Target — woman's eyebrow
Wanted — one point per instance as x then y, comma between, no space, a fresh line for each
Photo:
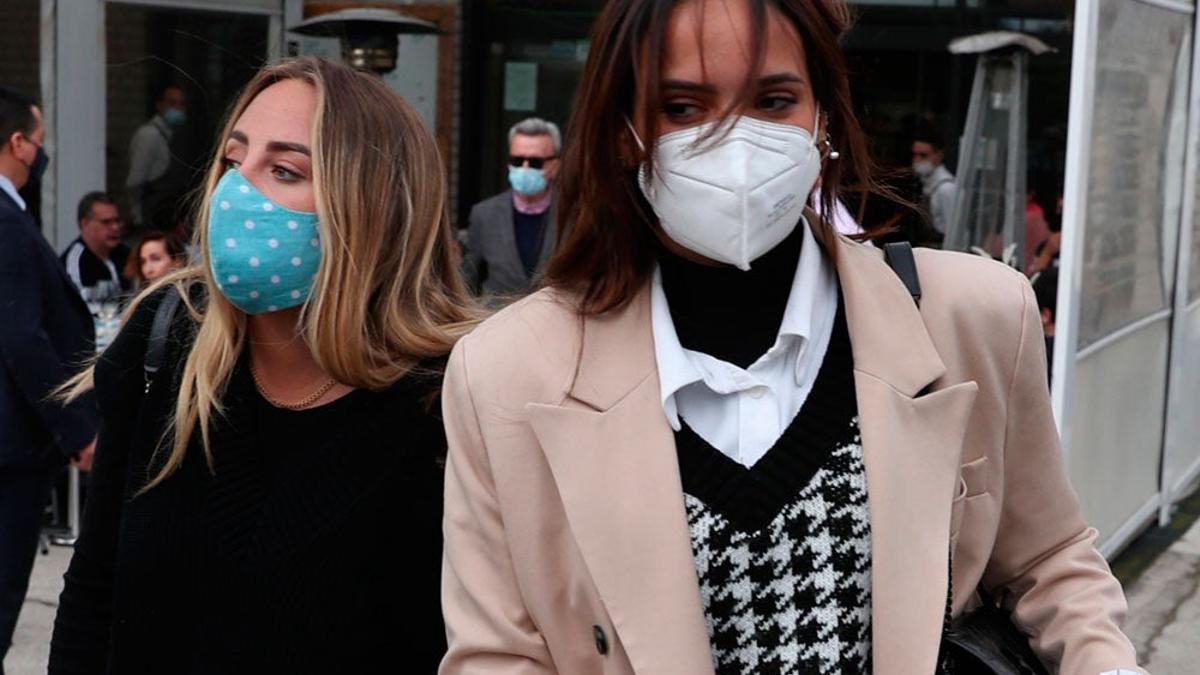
687,86
765,81
780,78
273,146
283,146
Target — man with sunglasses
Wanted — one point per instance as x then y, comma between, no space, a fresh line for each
512,234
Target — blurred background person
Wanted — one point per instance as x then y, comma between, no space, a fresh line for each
1045,287
289,518
151,184
95,259
44,330
937,183
511,235
1037,227
155,255
1046,254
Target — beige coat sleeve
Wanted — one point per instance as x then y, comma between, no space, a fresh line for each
1059,587
487,626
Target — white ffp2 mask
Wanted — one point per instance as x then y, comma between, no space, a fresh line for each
736,198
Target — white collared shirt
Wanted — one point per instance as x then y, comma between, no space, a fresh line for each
743,412
11,191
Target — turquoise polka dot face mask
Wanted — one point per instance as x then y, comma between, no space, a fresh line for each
263,256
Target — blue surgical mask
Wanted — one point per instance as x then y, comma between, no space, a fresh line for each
264,257
174,117
526,181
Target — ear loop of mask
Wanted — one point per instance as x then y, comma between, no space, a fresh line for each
636,138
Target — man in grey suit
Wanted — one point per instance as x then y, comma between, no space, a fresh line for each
511,235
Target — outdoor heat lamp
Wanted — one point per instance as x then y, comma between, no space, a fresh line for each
368,35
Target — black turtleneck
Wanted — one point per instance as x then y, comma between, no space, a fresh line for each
725,312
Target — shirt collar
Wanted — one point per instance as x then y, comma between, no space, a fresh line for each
675,369
11,191
814,287
936,177
162,125
531,208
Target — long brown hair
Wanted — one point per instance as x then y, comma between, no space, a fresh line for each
606,227
387,295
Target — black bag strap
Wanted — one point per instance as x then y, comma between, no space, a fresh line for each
156,346
899,256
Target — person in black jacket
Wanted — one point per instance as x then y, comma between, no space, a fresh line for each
289,520
45,328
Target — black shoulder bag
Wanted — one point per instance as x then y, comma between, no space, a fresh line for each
983,641
156,345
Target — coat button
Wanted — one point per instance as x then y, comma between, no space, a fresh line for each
601,640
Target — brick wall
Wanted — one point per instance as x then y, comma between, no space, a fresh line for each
19,55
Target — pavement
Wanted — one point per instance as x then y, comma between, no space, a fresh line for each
1163,621
1164,609
31,643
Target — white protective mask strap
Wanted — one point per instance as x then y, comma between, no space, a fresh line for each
636,137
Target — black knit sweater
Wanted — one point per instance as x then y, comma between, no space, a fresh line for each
315,546
782,548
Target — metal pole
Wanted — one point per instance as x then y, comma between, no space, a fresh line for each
1176,383
958,237
1014,219
73,509
1075,195
73,503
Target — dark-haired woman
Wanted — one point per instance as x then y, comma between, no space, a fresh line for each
155,255
725,439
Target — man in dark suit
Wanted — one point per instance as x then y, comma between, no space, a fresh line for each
511,235
45,330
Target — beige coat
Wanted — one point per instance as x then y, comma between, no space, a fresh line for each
565,516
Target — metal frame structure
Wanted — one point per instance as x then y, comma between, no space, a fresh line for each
1066,354
1184,306
959,236
74,82
1075,193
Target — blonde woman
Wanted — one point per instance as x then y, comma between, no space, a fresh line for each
271,500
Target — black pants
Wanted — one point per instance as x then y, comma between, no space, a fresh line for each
24,493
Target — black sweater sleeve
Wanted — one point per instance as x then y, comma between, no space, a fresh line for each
83,623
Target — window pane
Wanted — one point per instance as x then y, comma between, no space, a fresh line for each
207,58
1140,54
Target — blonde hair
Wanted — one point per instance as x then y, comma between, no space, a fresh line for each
387,295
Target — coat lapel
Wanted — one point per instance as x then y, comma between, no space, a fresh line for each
912,445
612,454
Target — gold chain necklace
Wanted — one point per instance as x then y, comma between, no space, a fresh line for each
300,405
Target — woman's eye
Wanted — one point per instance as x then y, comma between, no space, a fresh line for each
284,174
679,109
776,102
227,163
